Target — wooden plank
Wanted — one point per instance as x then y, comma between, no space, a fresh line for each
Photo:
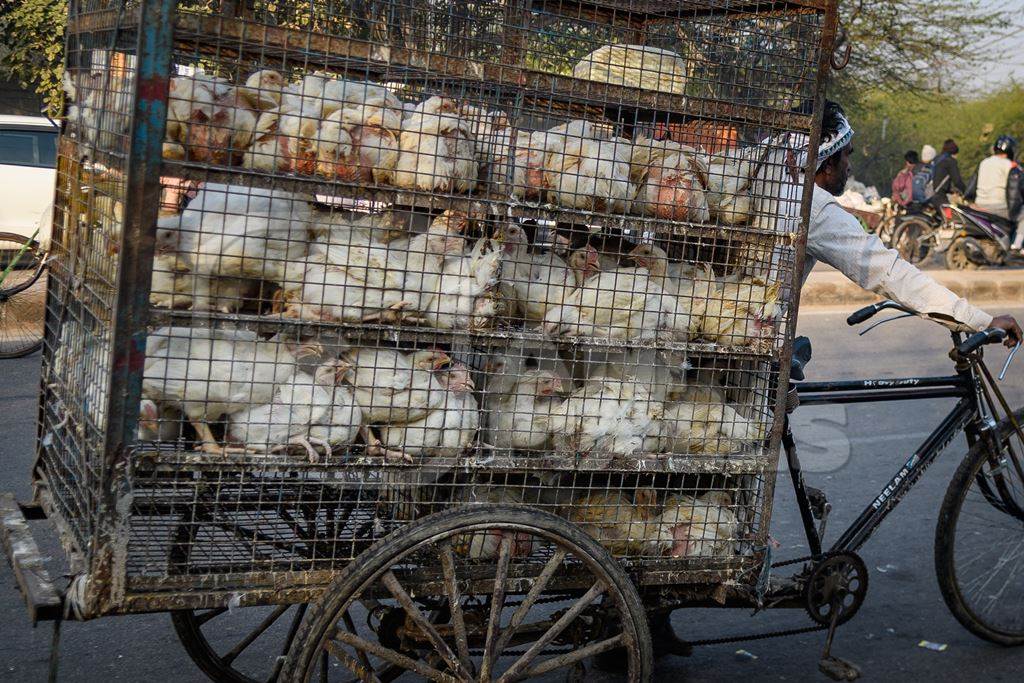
41,596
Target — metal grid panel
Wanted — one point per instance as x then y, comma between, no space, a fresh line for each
414,255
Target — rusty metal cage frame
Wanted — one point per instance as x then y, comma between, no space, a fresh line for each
97,534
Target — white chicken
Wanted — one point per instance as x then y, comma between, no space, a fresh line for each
464,297
236,231
369,281
701,421
446,430
703,526
728,190
306,410
359,143
209,373
605,418
264,89
486,544
671,179
538,281
394,387
518,416
627,527
589,174
624,303
284,141
436,149
742,312
175,286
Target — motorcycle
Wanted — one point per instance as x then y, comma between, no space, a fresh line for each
967,238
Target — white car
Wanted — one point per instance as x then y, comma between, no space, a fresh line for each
28,173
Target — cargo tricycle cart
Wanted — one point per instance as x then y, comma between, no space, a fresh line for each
449,339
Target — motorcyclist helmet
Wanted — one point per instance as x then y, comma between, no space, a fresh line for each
1007,145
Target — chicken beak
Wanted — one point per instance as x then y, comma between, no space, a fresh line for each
341,371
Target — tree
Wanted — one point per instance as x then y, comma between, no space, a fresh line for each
911,46
32,46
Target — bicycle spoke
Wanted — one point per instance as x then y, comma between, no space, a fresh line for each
531,597
212,614
386,654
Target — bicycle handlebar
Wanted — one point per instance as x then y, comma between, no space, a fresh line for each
992,335
866,313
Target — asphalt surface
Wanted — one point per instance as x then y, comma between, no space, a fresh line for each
850,452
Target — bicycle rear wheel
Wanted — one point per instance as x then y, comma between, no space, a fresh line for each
22,296
979,540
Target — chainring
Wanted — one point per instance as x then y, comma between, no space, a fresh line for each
837,583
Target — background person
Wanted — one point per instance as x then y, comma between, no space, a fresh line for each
946,176
903,183
998,188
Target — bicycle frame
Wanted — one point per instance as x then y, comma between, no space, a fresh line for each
972,413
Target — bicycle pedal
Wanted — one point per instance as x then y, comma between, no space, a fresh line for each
838,669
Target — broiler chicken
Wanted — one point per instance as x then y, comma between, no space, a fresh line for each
359,143
209,373
235,231
742,313
436,149
264,89
362,281
486,544
464,297
700,421
284,141
671,183
394,387
605,418
705,526
539,281
590,174
518,416
175,286
627,527
194,100
728,190
306,410
625,303
446,430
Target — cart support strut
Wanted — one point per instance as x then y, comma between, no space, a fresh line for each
41,596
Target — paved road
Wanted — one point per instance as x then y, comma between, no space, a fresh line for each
903,606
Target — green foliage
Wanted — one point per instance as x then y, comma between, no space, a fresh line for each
32,46
888,125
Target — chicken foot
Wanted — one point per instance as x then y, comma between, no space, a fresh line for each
375,448
395,314
208,444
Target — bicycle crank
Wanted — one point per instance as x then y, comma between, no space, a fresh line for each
836,588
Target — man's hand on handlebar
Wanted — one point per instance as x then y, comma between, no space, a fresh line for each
1008,324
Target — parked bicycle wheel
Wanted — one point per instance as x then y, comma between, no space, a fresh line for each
22,295
979,537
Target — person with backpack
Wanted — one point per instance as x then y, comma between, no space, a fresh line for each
946,174
903,183
922,189
997,187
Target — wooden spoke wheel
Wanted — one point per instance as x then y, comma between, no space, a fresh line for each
247,644
511,593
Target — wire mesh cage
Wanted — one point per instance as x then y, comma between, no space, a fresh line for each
324,268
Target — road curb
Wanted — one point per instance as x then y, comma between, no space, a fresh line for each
831,288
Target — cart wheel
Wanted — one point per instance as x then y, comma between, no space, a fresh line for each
243,644
560,599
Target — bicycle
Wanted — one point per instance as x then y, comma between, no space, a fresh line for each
22,295
975,570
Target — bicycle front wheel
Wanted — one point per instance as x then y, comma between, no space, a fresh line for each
979,539
22,296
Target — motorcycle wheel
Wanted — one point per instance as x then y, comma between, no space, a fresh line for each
913,240
956,257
